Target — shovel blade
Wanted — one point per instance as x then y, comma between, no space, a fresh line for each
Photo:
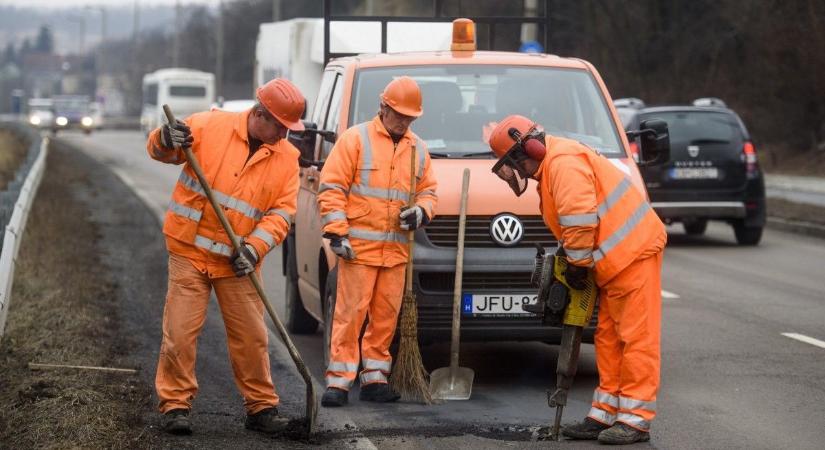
443,386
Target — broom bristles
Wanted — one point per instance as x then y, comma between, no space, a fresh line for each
409,377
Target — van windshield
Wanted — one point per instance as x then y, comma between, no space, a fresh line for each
187,91
463,103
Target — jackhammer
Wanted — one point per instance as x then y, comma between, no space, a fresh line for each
560,305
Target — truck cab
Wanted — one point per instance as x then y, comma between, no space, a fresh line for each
465,93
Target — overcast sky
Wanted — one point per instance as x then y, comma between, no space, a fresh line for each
71,3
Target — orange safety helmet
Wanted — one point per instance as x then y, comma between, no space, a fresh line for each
403,96
284,101
516,139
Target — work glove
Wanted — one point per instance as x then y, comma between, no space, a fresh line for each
576,276
412,218
340,246
176,135
243,262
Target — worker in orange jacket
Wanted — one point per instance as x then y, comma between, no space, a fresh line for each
253,172
365,184
605,224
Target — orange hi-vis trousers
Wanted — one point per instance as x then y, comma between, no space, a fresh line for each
627,345
183,319
364,290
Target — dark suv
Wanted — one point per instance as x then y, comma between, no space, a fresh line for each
712,173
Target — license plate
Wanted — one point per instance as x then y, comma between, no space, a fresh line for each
694,173
497,305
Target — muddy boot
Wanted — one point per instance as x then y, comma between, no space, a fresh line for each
620,434
334,397
378,392
586,429
176,421
266,421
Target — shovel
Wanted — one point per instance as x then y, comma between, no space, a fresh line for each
311,405
455,383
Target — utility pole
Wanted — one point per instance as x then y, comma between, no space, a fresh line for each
102,11
219,54
276,10
135,23
81,36
176,45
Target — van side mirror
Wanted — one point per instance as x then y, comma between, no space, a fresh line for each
304,141
655,140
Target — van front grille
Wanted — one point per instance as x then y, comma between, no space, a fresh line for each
443,232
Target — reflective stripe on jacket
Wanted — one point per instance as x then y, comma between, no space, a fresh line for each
365,182
258,195
600,218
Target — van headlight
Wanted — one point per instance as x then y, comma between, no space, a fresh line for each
61,121
86,121
34,120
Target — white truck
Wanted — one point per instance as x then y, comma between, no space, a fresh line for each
294,49
186,91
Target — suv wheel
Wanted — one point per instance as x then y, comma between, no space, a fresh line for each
747,235
330,293
298,320
695,227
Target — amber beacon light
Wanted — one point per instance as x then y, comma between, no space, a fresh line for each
464,35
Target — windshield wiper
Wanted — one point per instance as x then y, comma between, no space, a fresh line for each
459,155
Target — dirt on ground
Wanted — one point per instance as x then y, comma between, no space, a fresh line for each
796,211
810,163
63,311
12,153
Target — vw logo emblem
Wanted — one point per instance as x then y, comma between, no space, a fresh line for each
693,150
506,230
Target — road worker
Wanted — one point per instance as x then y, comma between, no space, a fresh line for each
605,224
253,172
365,184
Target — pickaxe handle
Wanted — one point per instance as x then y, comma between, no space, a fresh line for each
311,405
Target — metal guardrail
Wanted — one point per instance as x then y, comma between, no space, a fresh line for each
15,202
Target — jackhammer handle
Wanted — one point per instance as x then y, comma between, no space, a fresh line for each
311,408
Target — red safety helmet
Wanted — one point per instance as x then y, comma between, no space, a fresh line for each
514,140
404,96
284,101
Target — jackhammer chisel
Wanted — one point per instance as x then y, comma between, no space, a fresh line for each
559,304
311,404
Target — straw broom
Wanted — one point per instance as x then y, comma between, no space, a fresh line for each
409,377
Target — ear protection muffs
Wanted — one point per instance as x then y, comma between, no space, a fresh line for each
532,143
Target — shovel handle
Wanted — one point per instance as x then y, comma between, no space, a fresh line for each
311,407
459,272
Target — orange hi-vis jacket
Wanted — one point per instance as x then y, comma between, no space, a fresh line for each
592,207
365,182
258,195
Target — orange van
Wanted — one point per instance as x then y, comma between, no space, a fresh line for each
464,94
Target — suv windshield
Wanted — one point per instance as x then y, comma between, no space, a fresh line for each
71,105
695,126
462,104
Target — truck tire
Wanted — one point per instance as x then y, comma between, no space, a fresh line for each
330,294
298,320
695,227
746,235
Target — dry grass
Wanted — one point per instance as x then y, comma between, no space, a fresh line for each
63,310
796,211
12,153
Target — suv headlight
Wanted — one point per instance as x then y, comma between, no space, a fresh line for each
62,121
86,121
34,120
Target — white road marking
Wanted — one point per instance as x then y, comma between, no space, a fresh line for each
805,339
668,294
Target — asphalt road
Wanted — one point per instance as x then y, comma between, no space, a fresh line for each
731,378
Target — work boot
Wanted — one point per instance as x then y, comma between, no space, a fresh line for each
177,421
334,397
620,434
378,392
586,429
266,421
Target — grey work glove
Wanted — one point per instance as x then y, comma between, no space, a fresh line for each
412,218
243,263
340,246
576,276
176,135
